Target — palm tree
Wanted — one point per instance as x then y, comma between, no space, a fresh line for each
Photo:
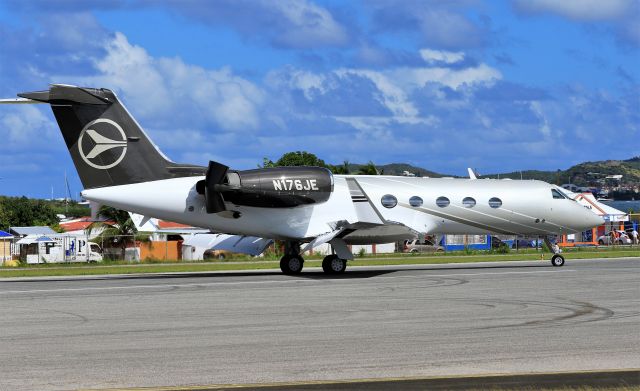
368,169
342,169
118,234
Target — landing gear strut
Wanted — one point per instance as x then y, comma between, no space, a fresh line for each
556,259
331,264
291,262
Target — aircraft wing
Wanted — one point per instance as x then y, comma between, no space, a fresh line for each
201,237
235,243
241,244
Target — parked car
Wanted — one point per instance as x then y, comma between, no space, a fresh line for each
523,243
623,238
216,254
497,242
421,246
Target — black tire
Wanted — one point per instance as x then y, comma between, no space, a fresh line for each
291,264
331,264
557,260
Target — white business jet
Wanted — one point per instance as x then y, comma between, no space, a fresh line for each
303,206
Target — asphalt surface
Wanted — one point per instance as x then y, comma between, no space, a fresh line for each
257,327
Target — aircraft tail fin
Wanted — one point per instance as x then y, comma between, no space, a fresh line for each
107,145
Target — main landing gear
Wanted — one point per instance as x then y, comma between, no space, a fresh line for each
556,259
292,262
331,264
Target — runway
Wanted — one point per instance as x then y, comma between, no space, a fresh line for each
257,327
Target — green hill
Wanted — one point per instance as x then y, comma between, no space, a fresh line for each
398,169
587,174
584,174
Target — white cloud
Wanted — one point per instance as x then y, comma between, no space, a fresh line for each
583,10
26,125
433,56
545,129
167,89
453,78
292,24
309,24
310,83
392,89
393,97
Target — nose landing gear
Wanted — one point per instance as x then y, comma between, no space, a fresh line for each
557,259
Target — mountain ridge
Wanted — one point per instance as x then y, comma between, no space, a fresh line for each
581,174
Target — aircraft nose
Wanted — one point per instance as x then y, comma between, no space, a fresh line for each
591,219
595,220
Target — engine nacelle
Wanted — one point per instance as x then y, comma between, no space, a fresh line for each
279,187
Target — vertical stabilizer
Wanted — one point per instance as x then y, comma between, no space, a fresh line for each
107,145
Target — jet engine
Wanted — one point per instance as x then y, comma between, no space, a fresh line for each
279,187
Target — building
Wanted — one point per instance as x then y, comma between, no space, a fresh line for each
614,219
5,246
81,225
21,232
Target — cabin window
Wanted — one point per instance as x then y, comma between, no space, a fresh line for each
495,202
469,202
557,195
415,201
389,201
442,202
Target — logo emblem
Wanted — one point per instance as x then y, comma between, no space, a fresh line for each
104,136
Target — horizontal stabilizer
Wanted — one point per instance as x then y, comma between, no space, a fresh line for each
19,101
62,92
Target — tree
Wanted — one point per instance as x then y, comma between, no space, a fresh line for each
25,212
300,158
368,169
118,235
4,218
340,169
267,163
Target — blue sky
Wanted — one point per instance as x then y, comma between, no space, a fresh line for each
494,85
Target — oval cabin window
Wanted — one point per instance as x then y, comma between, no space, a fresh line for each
469,202
389,201
415,201
495,202
442,202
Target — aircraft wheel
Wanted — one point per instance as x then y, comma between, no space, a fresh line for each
557,260
331,264
291,264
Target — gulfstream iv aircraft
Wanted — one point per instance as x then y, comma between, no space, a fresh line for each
119,166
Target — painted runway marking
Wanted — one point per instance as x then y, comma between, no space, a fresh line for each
204,284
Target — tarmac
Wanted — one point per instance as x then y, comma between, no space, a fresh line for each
261,327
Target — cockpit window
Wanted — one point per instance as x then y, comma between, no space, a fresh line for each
557,195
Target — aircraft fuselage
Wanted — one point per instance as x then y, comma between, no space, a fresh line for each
452,206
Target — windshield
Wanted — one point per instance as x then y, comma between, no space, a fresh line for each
558,195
